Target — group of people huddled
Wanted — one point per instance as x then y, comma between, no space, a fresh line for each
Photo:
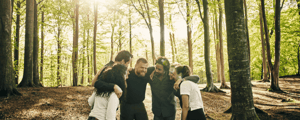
116,84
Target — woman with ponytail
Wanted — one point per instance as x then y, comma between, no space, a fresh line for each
191,100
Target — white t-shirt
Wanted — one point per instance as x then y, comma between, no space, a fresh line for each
104,107
191,89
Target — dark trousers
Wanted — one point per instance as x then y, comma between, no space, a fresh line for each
133,111
160,117
196,115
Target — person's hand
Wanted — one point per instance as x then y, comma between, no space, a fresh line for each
118,91
130,69
176,85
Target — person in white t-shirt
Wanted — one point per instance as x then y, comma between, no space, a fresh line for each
192,104
105,103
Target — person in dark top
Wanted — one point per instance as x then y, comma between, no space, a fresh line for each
123,57
133,107
163,101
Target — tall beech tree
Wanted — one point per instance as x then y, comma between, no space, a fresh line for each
27,80
239,67
189,33
95,36
75,45
273,69
222,72
264,64
162,27
7,74
144,11
17,39
210,87
35,67
42,48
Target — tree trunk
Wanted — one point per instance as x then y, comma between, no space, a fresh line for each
241,90
7,83
88,51
162,27
83,58
42,49
172,48
222,75
217,46
27,80
17,37
112,42
275,71
75,46
189,35
58,55
247,31
298,59
210,87
95,35
175,47
265,71
36,79
130,39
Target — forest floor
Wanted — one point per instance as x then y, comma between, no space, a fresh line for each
70,103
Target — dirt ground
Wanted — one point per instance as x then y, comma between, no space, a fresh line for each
70,103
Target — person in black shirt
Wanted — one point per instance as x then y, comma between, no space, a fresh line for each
133,107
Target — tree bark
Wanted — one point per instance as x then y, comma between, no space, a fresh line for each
42,49
265,71
83,58
112,42
217,45
16,46
130,39
172,48
75,46
7,77
247,31
222,75
36,79
210,87
241,89
95,35
27,80
88,51
162,27
189,35
275,71
58,54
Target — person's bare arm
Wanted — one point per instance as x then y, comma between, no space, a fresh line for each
185,106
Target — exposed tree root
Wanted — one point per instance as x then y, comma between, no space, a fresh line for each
257,110
212,88
224,86
8,93
278,90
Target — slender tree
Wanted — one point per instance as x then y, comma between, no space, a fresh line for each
27,80
222,75
35,68
162,27
75,46
17,39
189,33
264,68
130,39
210,87
95,35
144,11
42,48
7,79
238,58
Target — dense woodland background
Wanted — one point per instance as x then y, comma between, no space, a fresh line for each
121,26
54,43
